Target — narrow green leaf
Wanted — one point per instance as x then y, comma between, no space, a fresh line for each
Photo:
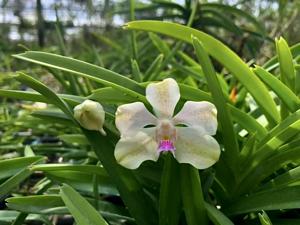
110,96
287,71
45,91
160,44
273,62
252,175
230,142
77,139
93,72
192,196
283,180
264,219
223,54
284,93
216,216
153,68
53,204
136,73
10,167
20,219
169,195
75,203
284,198
15,180
297,80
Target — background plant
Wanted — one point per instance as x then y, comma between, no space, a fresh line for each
46,155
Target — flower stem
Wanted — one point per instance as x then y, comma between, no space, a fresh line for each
192,196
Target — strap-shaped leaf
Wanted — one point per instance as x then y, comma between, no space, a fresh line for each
10,167
77,67
53,204
223,54
273,62
284,198
75,203
224,118
15,180
216,216
284,93
45,91
285,58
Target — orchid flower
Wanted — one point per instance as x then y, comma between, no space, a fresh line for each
186,135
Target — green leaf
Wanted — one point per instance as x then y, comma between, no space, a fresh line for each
151,72
75,203
136,73
10,167
160,44
286,179
264,219
77,139
169,195
284,93
53,117
79,178
216,216
93,72
224,118
287,71
110,96
223,54
273,62
192,196
281,134
9,184
15,180
45,91
284,198
36,97
53,204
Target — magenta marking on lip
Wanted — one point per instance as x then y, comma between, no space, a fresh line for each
166,146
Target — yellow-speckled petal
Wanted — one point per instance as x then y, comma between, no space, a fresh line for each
201,151
201,116
163,96
130,152
131,118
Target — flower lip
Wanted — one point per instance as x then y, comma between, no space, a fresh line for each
166,146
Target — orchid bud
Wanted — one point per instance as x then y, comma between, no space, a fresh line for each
90,115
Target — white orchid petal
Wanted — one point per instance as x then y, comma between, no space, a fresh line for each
130,152
198,115
195,149
163,96
131,118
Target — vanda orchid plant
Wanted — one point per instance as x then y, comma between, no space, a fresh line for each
228,139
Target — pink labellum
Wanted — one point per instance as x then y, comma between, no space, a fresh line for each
166,146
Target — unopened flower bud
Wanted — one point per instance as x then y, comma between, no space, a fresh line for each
90,115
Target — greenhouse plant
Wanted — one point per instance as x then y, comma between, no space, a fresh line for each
183,114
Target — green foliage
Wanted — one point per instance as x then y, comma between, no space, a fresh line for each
76,173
